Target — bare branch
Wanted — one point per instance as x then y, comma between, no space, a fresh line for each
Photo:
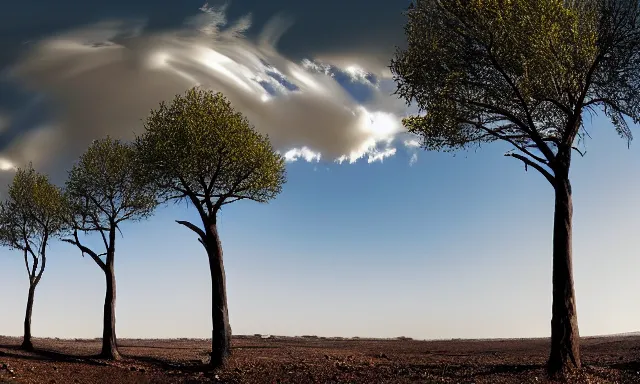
75,241
508,139
192,227
233,199
579,151
527,162
560,106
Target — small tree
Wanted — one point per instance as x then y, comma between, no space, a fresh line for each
525,72
103,190
201,150
29,218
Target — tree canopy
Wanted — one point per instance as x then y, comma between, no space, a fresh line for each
106,187
522,71
199,148
30,216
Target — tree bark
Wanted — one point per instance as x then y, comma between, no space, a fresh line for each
221,333
565,337
26,341
109,345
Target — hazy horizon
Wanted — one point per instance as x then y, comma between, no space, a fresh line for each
371,236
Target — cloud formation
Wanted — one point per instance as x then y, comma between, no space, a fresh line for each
105,78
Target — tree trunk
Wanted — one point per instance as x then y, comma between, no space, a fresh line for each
221,333
109,346
565,352
26,341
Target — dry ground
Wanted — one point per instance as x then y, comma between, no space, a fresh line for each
315,360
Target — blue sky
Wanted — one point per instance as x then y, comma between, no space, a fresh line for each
446,246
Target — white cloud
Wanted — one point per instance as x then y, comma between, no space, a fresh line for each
6,165
414,159
412,143
358,74
377,155
105,78
304,153
317,67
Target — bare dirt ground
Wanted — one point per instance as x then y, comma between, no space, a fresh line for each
315,360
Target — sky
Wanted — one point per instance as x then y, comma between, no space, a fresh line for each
371,236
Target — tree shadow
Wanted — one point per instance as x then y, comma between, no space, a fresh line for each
121,346
40,354
186,366
626,366
258,347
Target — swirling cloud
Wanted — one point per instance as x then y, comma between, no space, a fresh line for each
104,78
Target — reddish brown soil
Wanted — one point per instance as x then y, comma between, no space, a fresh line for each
315,360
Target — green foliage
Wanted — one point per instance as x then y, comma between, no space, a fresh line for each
200,148
106,187
33,211
32,214
523,71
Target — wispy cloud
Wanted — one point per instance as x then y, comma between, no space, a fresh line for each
412,145
105,78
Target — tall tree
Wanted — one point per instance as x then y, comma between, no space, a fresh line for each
525,72
201,150
104,189
29,218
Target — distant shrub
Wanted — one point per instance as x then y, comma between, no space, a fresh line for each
404,338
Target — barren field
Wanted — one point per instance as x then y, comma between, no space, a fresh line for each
315,360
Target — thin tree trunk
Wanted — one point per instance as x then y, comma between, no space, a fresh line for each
26,341
109,345
565,337
221,333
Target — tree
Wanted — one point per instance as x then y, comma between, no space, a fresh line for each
525,72
104,189
29,218
201,150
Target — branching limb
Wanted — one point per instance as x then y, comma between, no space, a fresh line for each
560,106
193,197
531,130
233,199
192,227
26,262
34,267
579,151
44,262
233,191
506,138
214,178
75,241
528,162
